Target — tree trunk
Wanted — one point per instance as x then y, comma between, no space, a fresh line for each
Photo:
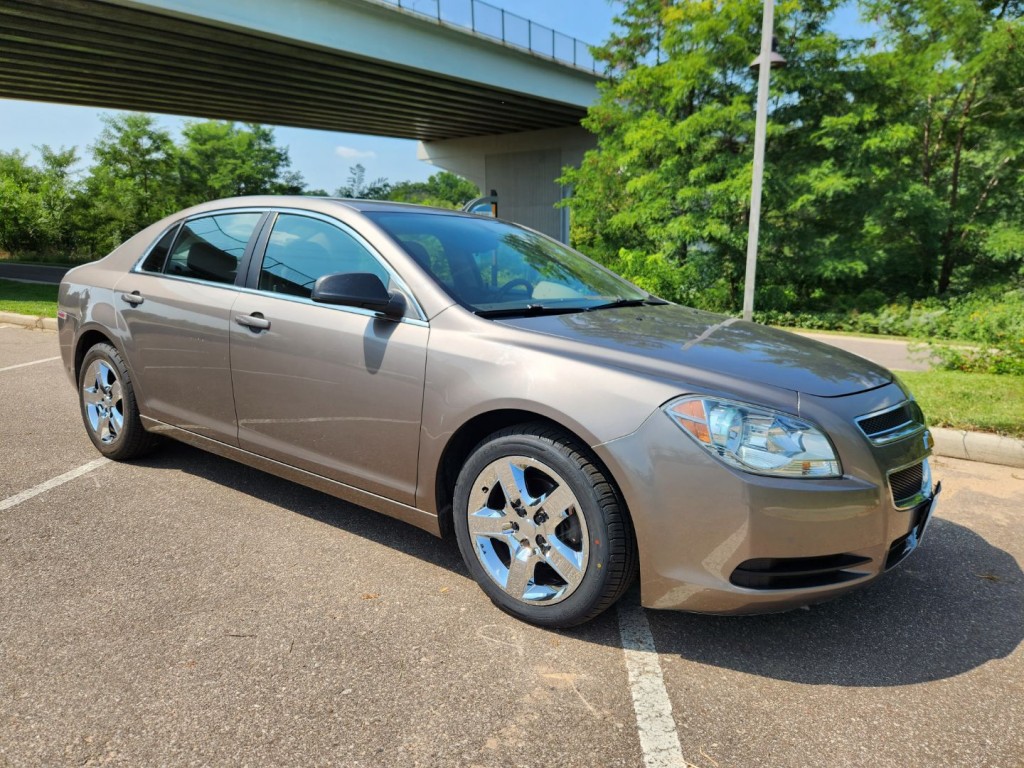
949,252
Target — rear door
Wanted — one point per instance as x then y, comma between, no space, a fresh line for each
333,390
176,306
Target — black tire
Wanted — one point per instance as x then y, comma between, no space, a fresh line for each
543,457
109,410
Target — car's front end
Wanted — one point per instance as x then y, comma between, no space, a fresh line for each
719,537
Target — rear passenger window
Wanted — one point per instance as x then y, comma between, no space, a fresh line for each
158,254
210,248
302,249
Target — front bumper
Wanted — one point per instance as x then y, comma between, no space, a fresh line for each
716,540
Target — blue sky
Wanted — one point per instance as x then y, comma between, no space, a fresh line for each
323,157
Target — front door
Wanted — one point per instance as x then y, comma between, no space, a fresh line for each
332,390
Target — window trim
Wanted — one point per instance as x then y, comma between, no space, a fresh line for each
243,261
251,261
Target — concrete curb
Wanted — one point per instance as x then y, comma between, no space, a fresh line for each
952,443
978,446
29,321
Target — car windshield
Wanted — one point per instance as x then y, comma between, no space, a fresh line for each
495,268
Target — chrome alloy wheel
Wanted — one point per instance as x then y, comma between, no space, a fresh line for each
103,398
528,531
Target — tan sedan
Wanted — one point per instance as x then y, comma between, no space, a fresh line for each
478,379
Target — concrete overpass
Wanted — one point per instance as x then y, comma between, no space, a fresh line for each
505,117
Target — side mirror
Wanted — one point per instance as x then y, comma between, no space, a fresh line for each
358,289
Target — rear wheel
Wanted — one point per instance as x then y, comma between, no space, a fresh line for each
109,410
541,528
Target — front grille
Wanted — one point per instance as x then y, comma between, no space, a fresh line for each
907,543
892,424
798,572
907,485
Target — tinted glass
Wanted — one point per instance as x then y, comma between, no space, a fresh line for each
155,260
489,265
210,248
302,249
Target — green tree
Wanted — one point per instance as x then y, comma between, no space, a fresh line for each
38,204
133,181
441,190
358,188
948,97
19,203
893,164
223,159
665,197
60,199
913,171
637,38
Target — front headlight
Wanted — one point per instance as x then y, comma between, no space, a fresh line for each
756,439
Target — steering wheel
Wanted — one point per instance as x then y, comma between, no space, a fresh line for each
516,283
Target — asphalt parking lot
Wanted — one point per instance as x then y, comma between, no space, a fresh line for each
185,610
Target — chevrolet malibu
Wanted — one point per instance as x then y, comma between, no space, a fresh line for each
482,381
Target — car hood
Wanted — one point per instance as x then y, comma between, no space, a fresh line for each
678,337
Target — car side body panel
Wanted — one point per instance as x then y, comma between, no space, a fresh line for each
334,392
86,306
397,510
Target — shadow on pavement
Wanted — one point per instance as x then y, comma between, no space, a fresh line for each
952,606
359,521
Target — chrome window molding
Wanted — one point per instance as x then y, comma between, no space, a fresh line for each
208,214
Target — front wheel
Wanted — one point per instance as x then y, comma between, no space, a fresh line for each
109,410
541,528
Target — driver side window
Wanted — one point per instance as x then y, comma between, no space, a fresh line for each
302,249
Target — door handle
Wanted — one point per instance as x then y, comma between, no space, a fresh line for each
255,321
133,298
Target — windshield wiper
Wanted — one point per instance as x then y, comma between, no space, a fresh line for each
530,310
649,301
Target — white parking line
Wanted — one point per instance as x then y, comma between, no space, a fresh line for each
34,362
52,483
659,740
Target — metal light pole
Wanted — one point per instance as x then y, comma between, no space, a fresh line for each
760,129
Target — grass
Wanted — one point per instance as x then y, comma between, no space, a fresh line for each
980,402
28,298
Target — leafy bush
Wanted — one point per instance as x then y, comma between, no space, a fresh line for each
990,321
994,322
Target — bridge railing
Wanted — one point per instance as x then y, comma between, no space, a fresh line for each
510,28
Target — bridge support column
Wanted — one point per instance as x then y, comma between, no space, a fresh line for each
522,167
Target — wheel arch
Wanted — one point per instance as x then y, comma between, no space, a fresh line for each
462,442
86,340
